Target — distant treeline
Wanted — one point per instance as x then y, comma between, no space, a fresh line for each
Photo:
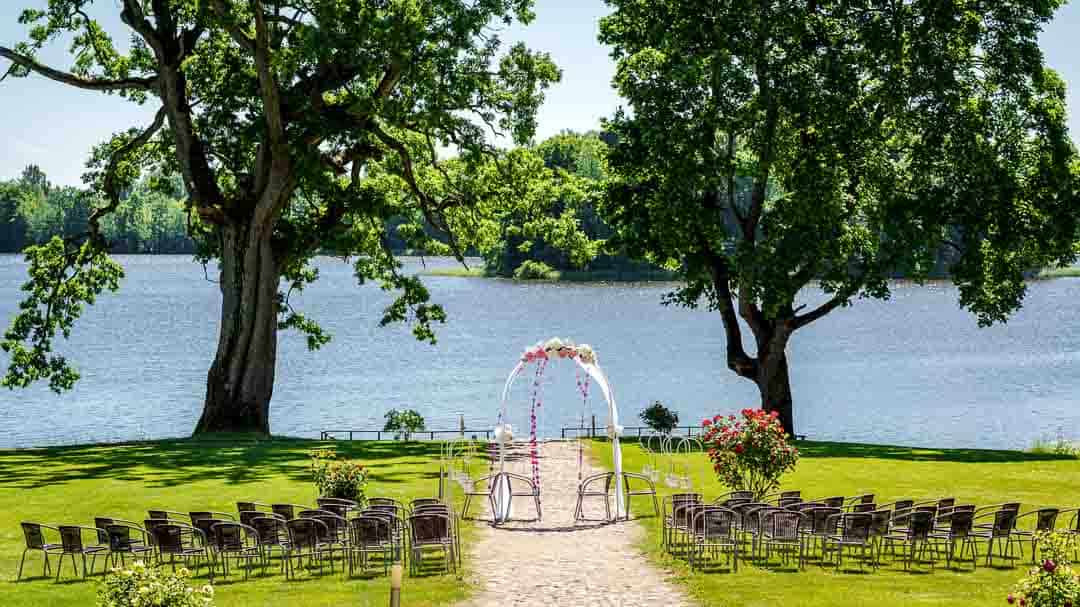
151,218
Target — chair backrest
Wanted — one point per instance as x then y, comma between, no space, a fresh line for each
168,537
920,524
286,511
1046,519
946,503
901,505
369,531
834,502
158,514
227,536
247,516
867,498
425,501
863,507
198,516
71,538
821,519
855,526
270,530
382,501
684,497
243,507
101,522
304,533
731,502
205,525
715,523
35,538
338,509
782,524
961,522
745,495
1004,522
801,506
788,501
429,527
879,522
119,537
787,494
336,526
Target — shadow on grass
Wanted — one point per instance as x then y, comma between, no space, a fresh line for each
177,462
823,449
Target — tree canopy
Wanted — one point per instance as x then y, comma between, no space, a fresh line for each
771,145
296,125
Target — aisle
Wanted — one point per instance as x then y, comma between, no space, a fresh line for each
555,563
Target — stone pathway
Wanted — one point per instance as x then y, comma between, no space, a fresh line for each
555,563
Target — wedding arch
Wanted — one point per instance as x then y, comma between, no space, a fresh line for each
538,357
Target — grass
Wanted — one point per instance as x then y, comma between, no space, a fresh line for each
973,476
456,272
1069,272
67,485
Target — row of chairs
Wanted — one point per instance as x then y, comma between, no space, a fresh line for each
334,530
918,532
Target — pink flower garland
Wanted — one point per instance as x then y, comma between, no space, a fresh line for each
583,387
536,403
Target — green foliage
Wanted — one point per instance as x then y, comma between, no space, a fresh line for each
766,148
62,280
143,586
659,418
1053,583
534,270
343,479
403,423
147,220
751,452
314,126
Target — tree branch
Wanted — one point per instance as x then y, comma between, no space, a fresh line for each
112,190
91,84
737,358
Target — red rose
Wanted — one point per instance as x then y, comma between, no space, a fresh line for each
738,448
706,422
1010,599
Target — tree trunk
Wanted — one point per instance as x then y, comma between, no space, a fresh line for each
775,387
241,379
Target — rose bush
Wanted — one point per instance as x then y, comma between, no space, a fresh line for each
749,452
142,586
1053,582
344,479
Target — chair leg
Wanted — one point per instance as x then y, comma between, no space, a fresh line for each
21,561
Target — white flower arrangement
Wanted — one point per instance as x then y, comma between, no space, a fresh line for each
586,354
504,433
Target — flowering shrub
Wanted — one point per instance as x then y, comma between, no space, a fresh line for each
142,586
403,423
749,452
343,479
1053,583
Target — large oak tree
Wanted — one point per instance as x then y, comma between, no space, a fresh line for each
771,144
298,126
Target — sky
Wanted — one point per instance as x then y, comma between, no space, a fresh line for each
55,126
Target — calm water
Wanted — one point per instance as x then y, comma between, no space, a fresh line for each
915,370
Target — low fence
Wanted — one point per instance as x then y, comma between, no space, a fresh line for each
628,431
391,434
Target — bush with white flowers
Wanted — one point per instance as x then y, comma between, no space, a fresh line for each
142,586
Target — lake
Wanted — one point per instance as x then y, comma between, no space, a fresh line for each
915,370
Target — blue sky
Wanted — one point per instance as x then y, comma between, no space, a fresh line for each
53,126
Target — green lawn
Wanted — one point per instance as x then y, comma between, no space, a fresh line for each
980,477
70,485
